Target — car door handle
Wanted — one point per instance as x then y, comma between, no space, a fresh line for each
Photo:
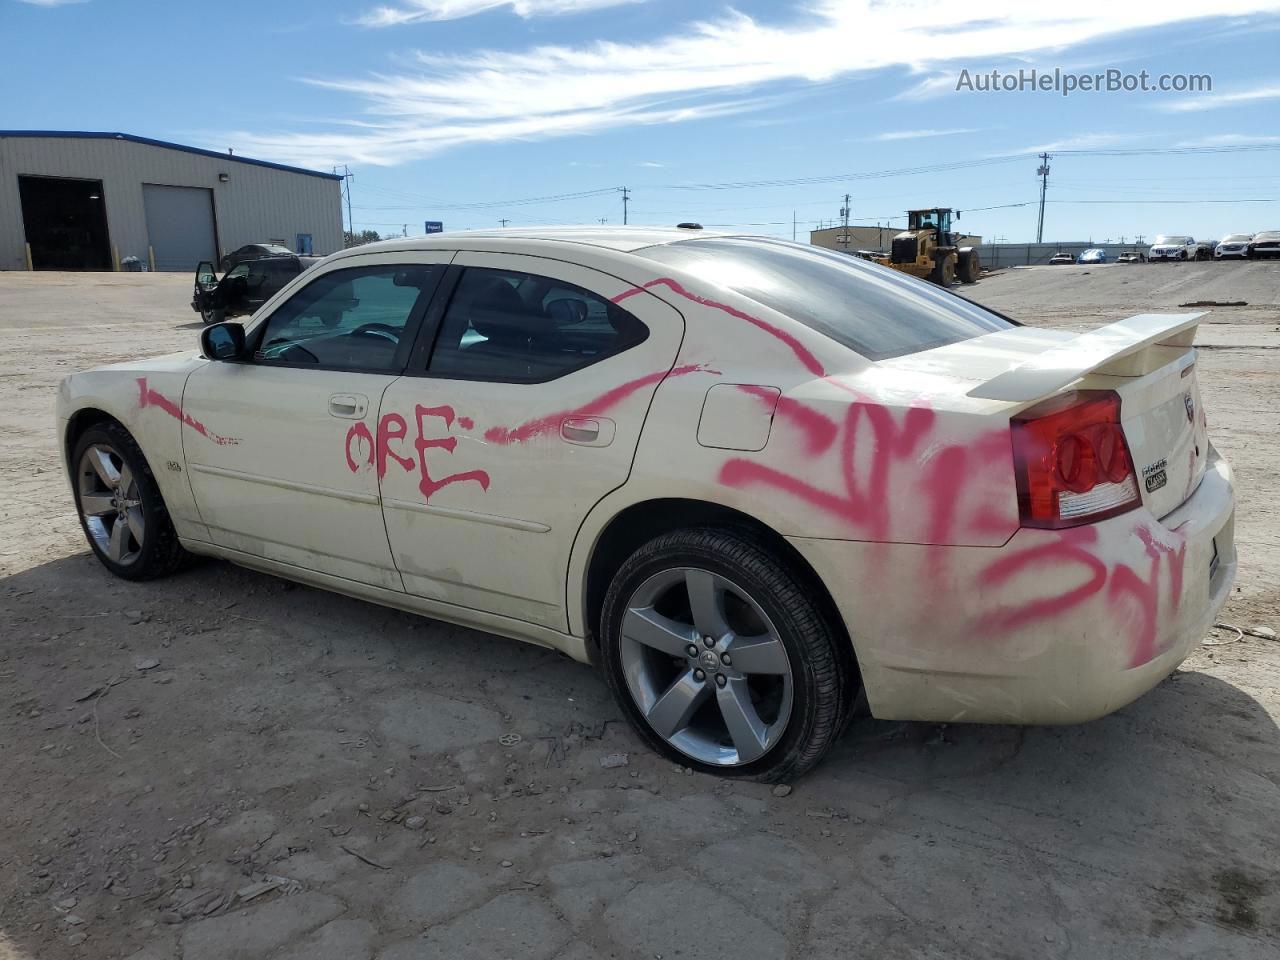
587,431
348,406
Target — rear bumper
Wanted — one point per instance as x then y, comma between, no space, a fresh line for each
1051,627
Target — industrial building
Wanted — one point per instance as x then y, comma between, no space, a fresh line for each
87,201
869,238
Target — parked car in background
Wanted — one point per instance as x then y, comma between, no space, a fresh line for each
1175,246
1265,245
1093,255
1058,258
1132,256
636,446
254,251
243,288
1233,246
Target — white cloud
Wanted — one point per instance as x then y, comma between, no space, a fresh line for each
1215,101
919,134
52,3
420,11
1087,141
1229,140
695,71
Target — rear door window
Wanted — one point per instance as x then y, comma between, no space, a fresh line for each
878,312
515,327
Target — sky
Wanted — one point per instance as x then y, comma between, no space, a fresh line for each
755,117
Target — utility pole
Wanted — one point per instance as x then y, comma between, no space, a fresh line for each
844,217
503,220
1043,174
626,195
604,219
793,226
404,230
346,182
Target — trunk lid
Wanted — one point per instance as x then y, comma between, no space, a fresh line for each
1150,362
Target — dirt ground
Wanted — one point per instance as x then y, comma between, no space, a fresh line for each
223,765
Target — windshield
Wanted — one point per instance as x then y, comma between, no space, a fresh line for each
1237,238
1173,240
878,312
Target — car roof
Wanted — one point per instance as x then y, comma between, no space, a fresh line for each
624,239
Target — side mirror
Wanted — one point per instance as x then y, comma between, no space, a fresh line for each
222,341
957,214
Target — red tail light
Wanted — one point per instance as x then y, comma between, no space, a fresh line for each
1072,461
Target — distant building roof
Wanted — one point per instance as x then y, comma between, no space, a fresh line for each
200,151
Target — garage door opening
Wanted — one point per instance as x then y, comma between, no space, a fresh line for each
180,225
65,222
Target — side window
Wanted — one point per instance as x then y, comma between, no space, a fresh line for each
517,327
356,319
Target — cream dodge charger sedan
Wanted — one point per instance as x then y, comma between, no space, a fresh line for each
758,483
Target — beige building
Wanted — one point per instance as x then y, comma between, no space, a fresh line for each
86,201
868,238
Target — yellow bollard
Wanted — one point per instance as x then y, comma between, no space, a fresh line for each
115,258
151,256
29,266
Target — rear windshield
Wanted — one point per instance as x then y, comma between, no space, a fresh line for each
876,311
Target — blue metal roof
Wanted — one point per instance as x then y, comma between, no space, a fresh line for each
200,151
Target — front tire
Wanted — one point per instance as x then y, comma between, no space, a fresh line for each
122,513
210,317
722,658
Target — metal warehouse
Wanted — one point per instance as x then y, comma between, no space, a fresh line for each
87,201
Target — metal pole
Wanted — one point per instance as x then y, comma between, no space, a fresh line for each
1044,185
626,195
351,225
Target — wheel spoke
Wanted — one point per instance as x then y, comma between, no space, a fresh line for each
137,524
126,479
746,729
96,504
672,711
118,545
100,460
706,600
647,626
762,654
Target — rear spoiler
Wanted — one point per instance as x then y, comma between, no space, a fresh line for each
1126,348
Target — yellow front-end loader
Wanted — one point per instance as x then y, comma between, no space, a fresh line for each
927,249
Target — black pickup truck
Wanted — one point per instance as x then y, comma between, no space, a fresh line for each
245,287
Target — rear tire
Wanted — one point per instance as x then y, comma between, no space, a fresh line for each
721,657
122,513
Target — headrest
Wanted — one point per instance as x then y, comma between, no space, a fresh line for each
498,313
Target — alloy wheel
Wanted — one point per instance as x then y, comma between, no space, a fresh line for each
706,666
111,503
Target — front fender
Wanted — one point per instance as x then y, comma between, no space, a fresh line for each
146,399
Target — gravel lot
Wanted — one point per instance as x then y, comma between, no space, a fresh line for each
223,765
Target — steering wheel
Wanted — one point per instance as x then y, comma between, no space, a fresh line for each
294,353
384,330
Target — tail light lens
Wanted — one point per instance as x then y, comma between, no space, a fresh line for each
1072,461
